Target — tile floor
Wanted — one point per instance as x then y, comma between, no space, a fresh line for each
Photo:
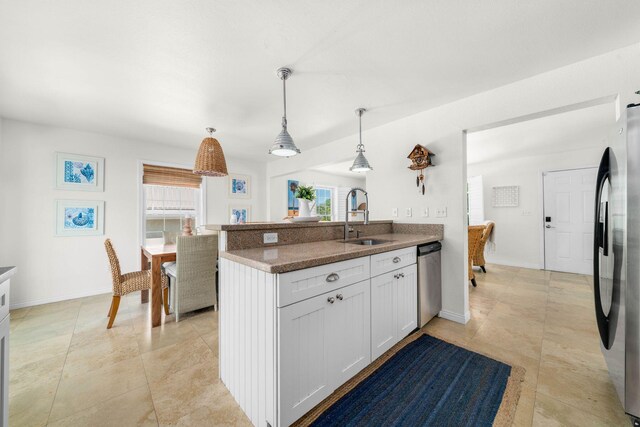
67,369
544,322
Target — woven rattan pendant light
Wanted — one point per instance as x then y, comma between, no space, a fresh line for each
360,164
284,146
210,159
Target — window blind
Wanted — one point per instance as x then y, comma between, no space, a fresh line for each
174,177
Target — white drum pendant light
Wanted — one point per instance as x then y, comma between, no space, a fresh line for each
360,164
283,145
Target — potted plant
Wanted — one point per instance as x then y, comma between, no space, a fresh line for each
305,195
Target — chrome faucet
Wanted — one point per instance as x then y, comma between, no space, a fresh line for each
352,192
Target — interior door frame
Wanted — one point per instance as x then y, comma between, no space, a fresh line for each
543,243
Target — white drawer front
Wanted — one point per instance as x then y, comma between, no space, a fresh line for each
302,284
389,261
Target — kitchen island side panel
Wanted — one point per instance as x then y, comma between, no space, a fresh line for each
247,339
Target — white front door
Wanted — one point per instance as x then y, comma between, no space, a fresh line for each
569,198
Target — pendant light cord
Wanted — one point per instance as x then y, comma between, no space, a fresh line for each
284,98
360,120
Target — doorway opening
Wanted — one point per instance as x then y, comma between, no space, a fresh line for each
534,179
331,184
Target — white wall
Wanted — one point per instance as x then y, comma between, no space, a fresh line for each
278,187
517,239
441,129
56,268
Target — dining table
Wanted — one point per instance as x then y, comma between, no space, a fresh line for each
152,257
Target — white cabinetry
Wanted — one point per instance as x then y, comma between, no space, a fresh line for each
394,308
323,341
287,341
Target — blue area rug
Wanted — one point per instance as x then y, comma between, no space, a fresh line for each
425,381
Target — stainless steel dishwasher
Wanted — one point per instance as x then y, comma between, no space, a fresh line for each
429,282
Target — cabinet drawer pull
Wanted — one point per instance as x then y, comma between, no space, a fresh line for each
396,276
396,260
401,274
339,296
332,277
331,300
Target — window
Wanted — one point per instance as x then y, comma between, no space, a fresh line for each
166,207
170,195
324,203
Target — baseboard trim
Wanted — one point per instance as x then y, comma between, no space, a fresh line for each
455,317
41,301
511,263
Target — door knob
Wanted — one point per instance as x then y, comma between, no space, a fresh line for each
548,226
339,296
331,300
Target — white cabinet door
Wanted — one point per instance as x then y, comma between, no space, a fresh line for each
407,301
383,313
394,308
304,351
350,341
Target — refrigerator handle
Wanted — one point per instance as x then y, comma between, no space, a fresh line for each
601,240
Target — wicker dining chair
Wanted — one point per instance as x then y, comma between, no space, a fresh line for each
193,276
475,235
478,258
129,282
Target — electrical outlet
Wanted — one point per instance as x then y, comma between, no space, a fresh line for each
441,212
425,212
408,212
394,212
270,238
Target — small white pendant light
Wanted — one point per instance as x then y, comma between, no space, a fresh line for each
283,145
360,164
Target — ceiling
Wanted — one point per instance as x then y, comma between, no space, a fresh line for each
163,70
574,130
341,168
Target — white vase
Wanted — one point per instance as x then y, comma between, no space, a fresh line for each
305,207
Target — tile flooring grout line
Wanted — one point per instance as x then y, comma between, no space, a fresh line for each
55,395
569,405
146,378
544,329
144,368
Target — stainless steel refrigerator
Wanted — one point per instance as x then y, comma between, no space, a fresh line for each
616,268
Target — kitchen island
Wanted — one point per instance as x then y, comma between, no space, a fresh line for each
300,319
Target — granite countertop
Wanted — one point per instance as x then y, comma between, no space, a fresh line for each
285,224
282,259
6,273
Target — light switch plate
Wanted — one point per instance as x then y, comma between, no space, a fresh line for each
408,212
425,212
441,212
394,212
270,238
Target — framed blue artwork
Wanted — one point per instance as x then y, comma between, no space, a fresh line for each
79,217
79,172
292,202
239,186
242,214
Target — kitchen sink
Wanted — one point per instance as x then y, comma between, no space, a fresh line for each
367,242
